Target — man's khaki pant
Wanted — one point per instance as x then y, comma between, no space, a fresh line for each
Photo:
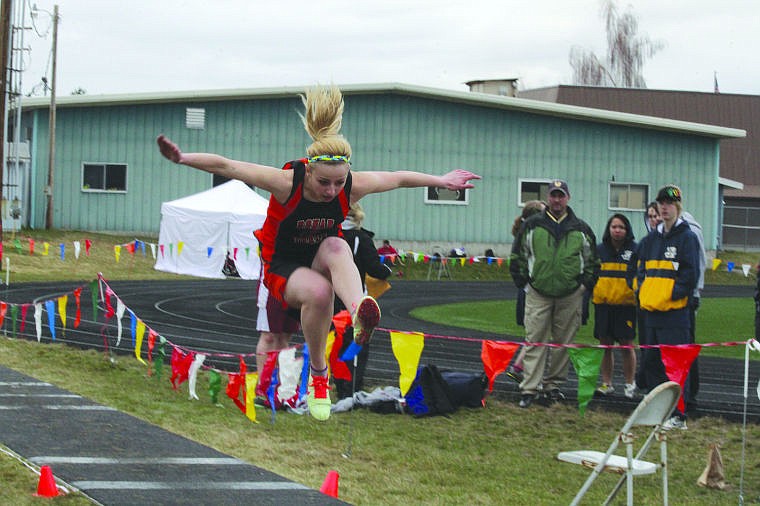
549,320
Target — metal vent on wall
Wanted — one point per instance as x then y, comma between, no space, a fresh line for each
195,118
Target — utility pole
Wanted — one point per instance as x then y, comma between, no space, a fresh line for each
51,153
5,37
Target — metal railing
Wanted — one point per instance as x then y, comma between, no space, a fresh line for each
741,228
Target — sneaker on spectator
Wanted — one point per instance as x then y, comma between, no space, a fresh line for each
514,374
630,390
555,395
318,399
365,319
675,422
261,401
526,400
605,389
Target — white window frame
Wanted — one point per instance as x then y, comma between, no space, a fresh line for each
104,165
643,186
464,199
540,181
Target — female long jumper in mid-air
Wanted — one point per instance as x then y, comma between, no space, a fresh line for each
306,262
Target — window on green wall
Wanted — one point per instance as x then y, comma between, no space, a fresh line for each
104,177
443,196
628,196
533,189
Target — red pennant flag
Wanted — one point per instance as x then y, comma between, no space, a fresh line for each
677,361
31,246
77,299
131,248
161,249
496,356
107,300
342,320
24,309
265,375
180,366
3,310
151,346
339,368
234,253
235,384
87,246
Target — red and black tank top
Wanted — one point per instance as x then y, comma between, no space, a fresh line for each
293,230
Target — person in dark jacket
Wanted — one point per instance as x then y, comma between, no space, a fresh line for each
757,303
652,218
667,274
554,256
515,369
367,261
614,302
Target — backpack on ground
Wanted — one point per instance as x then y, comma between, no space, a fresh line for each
436,392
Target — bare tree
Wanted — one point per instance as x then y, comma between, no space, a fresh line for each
626,53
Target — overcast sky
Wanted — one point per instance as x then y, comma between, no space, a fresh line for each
131,46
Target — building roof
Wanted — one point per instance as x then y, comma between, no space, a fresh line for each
739,157
479,99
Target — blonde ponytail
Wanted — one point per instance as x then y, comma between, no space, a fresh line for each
323,117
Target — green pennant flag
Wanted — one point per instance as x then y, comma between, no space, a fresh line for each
158,363
94,294
17,244
14,315
214,385
586,362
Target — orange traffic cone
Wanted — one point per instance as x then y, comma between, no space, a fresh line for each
47,486
330,485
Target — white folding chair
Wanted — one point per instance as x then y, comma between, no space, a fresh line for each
441,262
653,410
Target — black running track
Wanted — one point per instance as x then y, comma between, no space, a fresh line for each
219,316
132,462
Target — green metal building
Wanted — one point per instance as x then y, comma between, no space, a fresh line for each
109,175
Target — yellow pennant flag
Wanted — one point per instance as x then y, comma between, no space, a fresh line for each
117,252
407,348
180,245
62,308
139,334
716,263
329,345
45,248
250,394
461,262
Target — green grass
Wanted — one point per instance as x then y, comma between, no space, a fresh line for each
26,267
497,455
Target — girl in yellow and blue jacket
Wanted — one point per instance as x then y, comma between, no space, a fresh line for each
614,301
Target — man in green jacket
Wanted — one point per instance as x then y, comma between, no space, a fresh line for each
554,260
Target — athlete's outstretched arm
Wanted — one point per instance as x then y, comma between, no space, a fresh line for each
272,179
365,183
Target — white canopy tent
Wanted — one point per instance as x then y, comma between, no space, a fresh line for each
197,231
